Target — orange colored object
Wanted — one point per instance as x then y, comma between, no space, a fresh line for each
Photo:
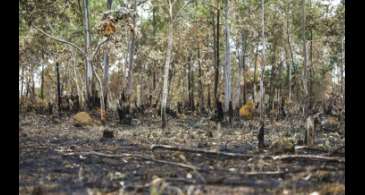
246,110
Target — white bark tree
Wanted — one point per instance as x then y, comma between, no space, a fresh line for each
167,66
262,90
227,67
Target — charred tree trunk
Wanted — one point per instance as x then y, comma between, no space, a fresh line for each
106,77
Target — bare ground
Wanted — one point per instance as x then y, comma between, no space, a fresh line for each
54,159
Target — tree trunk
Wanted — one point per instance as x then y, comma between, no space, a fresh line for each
305,86
106,76
255,77
102,101
343,71
202,110
33,87
291,56
42,81
262,91
59,98
227,67
216,76
272,76
311,71
76,78
166,69
191,83
88,65
241,77
21,81
106,64
131,49
208,98
28,83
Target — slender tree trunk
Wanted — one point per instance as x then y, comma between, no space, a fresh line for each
208,98
241,77
216,76
21,81
214,62
102,101
191,83
279,73
76,78
291,56
272,76
131,49
311,72
106,76
88,65
106,64
227,67
305,86
166,69
28,83
343,71
201,89
254,90
59,95
42,81
33,87
262,90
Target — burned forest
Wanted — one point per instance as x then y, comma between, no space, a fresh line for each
182,97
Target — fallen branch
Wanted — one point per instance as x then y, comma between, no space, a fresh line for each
311,148
309,157
246,156
191,150
337,150
123,155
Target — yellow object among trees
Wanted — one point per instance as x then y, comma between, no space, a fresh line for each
247,110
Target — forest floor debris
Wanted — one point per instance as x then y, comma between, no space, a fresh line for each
55,157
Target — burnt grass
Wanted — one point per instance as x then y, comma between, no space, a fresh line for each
51,158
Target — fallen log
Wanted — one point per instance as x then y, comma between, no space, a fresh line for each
247,156
192,150
136,156
309,157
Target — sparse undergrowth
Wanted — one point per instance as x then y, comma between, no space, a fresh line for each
53,159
